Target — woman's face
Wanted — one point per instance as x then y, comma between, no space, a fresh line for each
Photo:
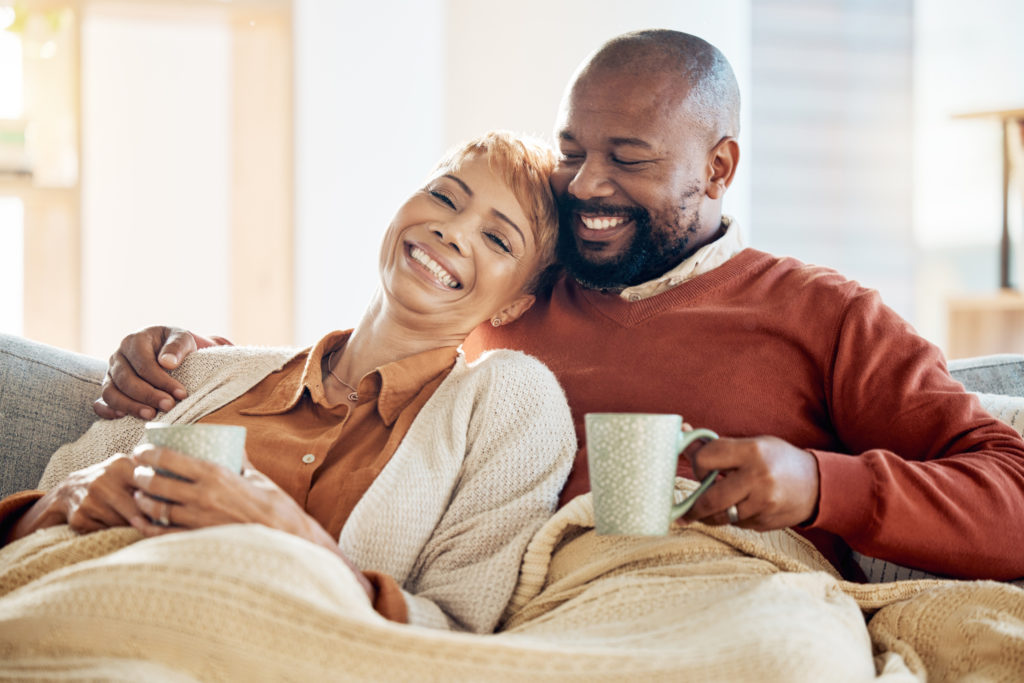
460,249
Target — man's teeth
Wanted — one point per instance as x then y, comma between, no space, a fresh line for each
602,222
434,267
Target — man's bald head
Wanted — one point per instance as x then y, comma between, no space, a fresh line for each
712,95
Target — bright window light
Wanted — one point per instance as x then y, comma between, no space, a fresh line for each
12,268
12,103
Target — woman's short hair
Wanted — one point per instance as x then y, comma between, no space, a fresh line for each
524,163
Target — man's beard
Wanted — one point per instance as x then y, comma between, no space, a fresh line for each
650,253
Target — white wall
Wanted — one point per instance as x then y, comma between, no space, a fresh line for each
369,92
155,176
968,57
382,89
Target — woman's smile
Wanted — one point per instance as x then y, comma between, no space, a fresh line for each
428,263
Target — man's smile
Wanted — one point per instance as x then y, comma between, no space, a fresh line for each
595,228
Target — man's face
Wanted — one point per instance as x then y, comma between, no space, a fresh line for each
630,180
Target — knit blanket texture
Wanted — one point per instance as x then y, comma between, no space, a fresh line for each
249,603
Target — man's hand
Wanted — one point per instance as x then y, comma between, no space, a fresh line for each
137,379
773,484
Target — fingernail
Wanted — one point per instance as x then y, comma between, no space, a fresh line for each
180,394
168,359
147,413
142,476
166,404
119,413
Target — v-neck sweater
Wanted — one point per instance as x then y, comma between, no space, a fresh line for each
911,468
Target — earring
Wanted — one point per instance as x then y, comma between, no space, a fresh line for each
496,322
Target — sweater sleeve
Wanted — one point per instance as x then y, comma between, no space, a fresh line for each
520,445
930,479
13,507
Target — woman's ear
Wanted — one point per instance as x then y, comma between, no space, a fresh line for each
511,312
722,166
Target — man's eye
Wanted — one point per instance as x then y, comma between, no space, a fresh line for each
629,162
570,157
500,241
443,198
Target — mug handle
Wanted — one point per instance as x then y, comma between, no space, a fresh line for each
685,439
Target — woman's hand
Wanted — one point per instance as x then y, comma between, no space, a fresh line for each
93,498
209,495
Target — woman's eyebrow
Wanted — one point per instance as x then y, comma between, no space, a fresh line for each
508,220
464,186
499,214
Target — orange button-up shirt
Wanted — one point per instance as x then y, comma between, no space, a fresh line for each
325,455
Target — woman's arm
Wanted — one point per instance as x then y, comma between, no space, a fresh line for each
519,444
97,497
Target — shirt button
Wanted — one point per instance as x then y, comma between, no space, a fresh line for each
634,297
308,458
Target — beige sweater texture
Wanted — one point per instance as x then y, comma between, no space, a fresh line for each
449,517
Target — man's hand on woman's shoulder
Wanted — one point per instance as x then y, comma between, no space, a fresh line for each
137,380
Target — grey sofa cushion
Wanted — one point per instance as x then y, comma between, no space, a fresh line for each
45,401
997,374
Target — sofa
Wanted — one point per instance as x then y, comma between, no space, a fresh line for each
293,616
46,396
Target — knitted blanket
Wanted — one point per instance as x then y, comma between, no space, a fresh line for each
705,603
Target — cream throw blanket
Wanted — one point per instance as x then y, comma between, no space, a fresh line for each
249,603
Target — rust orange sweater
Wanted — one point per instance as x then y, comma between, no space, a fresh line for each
912,469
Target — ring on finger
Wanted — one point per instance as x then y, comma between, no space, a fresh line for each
733,513
165,515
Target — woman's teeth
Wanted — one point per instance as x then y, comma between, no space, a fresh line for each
443,276
602,222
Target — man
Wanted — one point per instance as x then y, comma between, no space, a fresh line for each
838,420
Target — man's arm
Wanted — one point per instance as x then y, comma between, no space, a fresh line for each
137,380
920,474
934,482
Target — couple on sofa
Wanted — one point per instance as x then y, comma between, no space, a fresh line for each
873,447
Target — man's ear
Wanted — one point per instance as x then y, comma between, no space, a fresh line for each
512,311
722,162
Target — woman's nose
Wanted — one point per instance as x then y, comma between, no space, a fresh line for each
453,235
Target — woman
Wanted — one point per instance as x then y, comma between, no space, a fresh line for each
426,475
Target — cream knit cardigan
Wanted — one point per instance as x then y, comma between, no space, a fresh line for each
449,517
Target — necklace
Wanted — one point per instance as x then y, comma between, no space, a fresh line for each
354,396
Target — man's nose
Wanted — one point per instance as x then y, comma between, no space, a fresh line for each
591,180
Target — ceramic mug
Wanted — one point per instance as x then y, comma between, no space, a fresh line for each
222,444
633,459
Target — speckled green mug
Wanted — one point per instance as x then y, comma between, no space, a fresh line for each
222,444
633,459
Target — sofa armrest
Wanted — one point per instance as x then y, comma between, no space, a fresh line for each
997,374
46,398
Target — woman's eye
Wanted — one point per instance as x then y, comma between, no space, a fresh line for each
443,198
500,241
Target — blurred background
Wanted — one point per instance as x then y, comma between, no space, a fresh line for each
230,165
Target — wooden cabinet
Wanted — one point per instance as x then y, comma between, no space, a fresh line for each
986,324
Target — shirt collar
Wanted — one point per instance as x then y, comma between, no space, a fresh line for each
392,384
705,259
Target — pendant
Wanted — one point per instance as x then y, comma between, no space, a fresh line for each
354,397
